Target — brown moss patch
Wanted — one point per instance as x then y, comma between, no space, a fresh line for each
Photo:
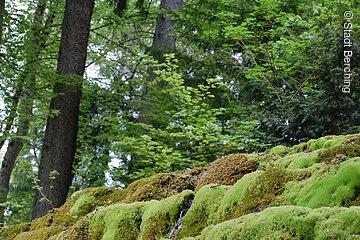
338,154
227,170
39,234
79,231
158,187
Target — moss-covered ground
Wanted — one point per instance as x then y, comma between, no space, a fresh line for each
308,191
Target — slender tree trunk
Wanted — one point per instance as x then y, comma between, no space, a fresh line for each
12,113
2,13
25,109
61,131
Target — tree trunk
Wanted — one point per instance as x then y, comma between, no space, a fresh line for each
2,13
61,131
163,42
25,109
164,39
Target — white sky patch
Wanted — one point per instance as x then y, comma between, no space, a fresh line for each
111,56
92,71
238,57
3,150
115,162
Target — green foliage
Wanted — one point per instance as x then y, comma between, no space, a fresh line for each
184,130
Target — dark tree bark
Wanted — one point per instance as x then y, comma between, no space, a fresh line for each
2,12
164,38
163,42
28,77
61,131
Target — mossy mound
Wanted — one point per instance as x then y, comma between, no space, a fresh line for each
335,186
10,232
79,204
203,211
314,144
159,187
140,220
309,191
228,170
39,234
289,222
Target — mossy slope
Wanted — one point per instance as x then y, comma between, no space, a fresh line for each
308,191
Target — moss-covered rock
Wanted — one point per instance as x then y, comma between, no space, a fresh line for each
297,160
336,186
264,191
289,222
228,170
278,150
119,221
39,234
203,211
160,216
159,187
10,232
303,192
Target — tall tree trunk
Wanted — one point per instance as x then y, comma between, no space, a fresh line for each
164,38
61,131
25,109
163,42
2,13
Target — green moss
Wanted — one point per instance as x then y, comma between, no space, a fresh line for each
320,143
264,191
40,234
79,204
302,147
203,211
290,222
142,220
278,150
160,216
335,187
9,232
325,142
234,197
159,187
298,160
228,170
85,204
322,172
79,231
119,221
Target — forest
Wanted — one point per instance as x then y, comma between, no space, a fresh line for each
108,92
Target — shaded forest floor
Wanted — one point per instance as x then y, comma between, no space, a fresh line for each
309,191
